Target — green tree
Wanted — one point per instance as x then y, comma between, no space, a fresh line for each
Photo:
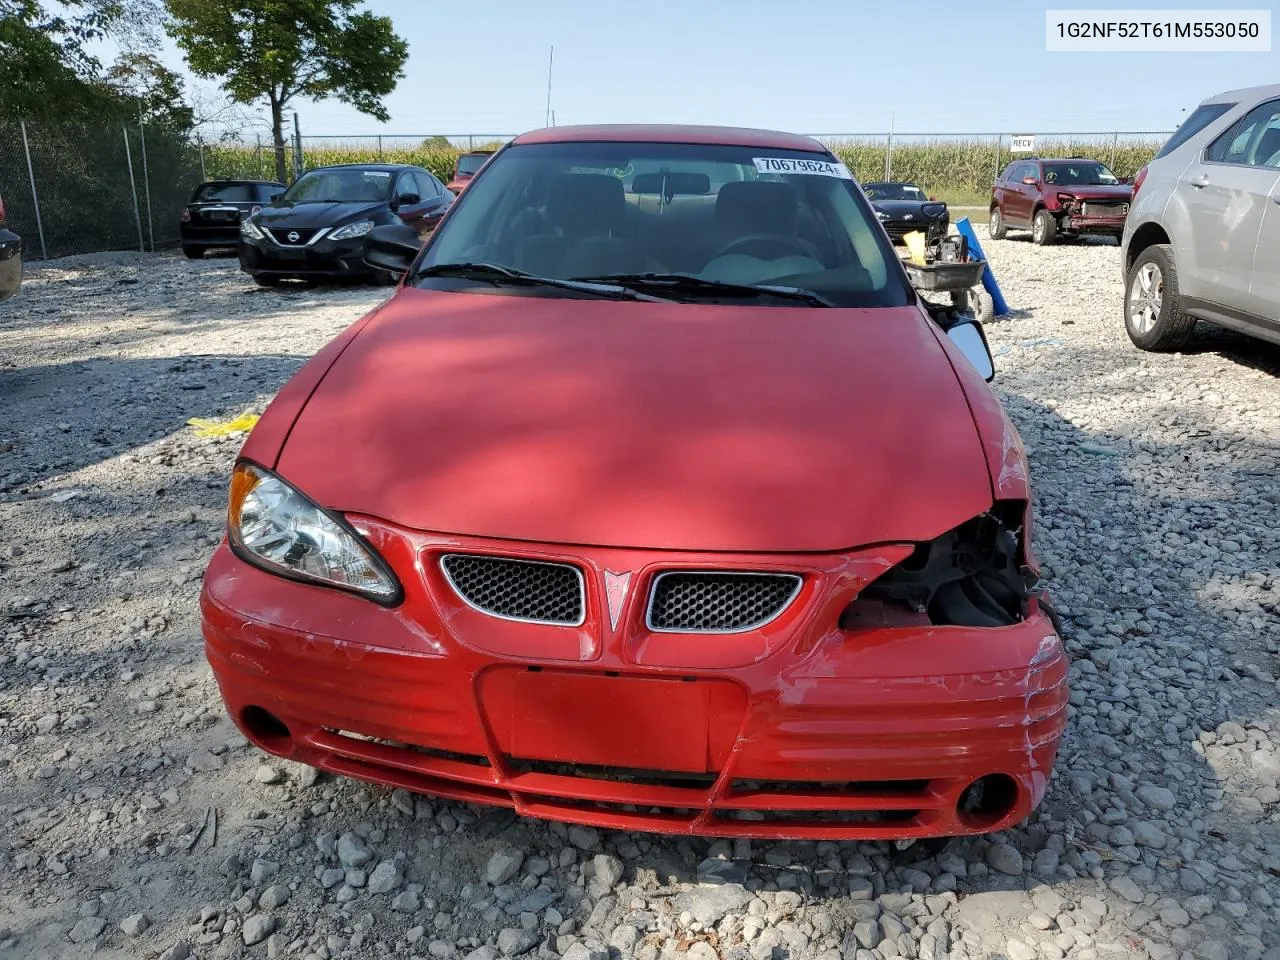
276,50
46,69
155,90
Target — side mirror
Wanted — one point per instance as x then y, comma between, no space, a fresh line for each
968,336
275,195
393,247
407,199
1030,181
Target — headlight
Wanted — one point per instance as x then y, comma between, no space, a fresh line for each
933,210
881,215
1066,199
251,230
273,526
357,229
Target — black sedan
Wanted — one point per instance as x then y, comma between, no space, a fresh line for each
10,259
317,229
212,217
904,207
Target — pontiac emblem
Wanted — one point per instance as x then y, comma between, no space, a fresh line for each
293,236
615,589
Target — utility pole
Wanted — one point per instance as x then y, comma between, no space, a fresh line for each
550,63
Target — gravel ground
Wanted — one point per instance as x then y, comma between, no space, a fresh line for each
137,823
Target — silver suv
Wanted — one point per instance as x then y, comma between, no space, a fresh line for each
1202,240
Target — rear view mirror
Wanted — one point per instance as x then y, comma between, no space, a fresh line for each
393,247
968,336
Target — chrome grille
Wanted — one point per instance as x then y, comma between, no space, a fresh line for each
718,602
527,590
1096,209
285,236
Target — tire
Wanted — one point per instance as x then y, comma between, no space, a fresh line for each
193,253
265,281
1153,315
1044,229
981,305
996,229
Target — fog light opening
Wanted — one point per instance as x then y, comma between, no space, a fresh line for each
987,801
266,729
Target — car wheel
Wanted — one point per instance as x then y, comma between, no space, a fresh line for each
996,229
265,281
1044,229
192,253
1153,315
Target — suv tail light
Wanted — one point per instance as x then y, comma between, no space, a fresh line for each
1137,182
186,215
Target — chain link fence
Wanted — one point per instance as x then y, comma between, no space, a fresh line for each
80,188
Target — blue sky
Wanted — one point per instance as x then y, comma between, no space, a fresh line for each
816,66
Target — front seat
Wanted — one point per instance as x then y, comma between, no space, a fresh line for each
585,211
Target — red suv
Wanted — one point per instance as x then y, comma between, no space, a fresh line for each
1059,198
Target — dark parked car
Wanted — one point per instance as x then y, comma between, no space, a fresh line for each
1059,198
10,258
317,228
903,208
212,218
467,166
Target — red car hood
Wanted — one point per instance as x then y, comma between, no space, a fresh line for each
637,424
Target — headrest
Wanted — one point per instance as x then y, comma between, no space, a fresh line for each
758,206
586,202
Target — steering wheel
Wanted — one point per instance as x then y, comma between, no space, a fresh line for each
759,240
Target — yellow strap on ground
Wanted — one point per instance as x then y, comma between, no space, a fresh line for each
223,428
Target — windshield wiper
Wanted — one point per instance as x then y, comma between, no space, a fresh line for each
686,283
496,274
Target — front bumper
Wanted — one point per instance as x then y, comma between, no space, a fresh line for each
324,258
1110,226
798,729
897,229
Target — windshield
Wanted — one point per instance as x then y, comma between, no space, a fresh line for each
469,163
736,215
225,193
346,185
893,191
1200,118
1082,173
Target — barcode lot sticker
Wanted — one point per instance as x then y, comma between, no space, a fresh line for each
818,168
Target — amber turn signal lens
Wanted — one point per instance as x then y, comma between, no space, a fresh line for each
243,480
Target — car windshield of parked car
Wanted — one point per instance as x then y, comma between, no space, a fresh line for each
469,163
894,191
720,213
1200,118
339,186
1084,174
225,193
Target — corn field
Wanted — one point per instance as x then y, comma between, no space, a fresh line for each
952,167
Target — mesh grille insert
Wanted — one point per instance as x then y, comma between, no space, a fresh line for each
517,589
719,602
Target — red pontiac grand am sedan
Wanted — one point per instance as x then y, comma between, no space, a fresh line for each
654,498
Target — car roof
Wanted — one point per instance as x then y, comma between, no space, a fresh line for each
1245,93
889,183
672,133
367,166
233,181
